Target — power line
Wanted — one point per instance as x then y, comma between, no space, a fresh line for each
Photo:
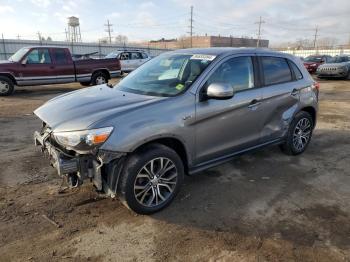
260,22
109,30
315,36
191,25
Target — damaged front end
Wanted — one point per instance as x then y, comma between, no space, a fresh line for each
76,156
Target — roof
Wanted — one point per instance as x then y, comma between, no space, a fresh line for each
44,46
225,50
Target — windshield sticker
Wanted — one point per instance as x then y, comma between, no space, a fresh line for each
179,87
203,57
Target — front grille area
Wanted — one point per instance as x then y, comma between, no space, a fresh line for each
328,69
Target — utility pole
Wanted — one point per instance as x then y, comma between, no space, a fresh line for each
40,39
315,36
260,22
109,30
191,26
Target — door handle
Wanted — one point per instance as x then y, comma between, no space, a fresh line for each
254,103
294,92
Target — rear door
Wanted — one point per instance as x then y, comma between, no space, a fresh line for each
136,60
227,126
37,68
63,65
280,95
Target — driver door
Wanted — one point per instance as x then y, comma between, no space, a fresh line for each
37,68
224,127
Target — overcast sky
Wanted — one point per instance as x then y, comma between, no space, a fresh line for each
285,20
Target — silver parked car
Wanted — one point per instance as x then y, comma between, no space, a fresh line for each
180,113
339,67
129,59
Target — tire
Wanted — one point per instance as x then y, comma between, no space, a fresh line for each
7,87
85,83
299,134
99,78
144,193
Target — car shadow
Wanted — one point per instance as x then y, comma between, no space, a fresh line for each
267,194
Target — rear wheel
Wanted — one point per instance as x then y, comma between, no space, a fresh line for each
6,86
99,78
150,179
299,134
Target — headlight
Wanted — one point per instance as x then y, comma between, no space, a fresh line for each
314,65
84,139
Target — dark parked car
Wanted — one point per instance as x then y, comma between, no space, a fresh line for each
338,68
312,62
180,113
53,65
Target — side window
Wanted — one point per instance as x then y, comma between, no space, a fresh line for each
144,55
135,56
297,73
276,70
238,72
60,57
124,56
38,56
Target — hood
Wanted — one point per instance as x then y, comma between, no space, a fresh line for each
2,62
82,109
334,65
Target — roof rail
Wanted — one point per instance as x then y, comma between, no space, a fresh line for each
126,49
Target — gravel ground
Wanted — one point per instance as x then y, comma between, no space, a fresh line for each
264,206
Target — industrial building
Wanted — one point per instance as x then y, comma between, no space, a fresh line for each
207,41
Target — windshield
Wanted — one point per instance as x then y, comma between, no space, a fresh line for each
340,59
166,75
18,55
315,59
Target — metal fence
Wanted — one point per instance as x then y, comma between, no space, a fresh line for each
305,53
9,46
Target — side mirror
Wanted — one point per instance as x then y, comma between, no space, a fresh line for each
24,62
219,91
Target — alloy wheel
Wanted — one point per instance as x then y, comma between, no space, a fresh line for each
100,80
302,134
4,87
155,182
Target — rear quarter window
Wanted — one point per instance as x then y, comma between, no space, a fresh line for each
276,70
60,56
296,70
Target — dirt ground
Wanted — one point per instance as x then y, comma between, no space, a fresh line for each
264,206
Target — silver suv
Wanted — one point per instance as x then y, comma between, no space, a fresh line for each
179,113
130,59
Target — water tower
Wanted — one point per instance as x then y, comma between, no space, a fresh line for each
74,34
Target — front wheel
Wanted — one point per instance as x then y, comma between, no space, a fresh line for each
299,134
6,86
99,78
150,179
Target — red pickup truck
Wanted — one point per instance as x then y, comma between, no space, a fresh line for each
44,65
